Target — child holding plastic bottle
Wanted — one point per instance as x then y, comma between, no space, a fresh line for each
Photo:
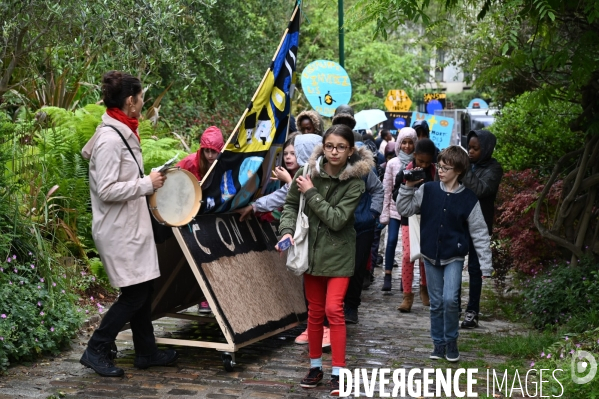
332,188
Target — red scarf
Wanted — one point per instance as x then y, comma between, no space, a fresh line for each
132,123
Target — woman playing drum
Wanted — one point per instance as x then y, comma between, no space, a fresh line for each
122,229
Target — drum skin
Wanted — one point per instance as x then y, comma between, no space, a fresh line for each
178,201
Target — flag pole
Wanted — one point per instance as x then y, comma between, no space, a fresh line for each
247,109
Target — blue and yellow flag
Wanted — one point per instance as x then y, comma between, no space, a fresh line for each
255,146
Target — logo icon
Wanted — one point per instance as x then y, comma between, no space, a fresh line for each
583,363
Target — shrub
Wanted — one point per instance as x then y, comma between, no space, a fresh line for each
514,226
37,315
562,292
533,135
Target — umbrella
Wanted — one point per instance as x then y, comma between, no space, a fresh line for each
369,118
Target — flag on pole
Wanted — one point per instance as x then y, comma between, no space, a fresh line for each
255,145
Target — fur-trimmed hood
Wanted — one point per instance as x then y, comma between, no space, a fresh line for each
344,118
314,117
359,164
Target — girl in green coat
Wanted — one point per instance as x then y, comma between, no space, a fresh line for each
332,187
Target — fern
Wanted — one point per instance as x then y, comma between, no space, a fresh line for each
157,152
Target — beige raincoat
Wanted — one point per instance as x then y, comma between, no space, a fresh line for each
121,226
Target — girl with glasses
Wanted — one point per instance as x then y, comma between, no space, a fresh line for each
332,188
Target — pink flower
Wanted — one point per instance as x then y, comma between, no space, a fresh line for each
91,297
16,271
561,355
41,280
1,338
572,352
14,257
33,267
566,337
542,354
39,287
8,260
39,303
52,329
87,311
42,313
1,269
549,356
3,316
53,284
62,291
10,282
42,322
532,364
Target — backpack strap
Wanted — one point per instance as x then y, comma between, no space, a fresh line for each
141,173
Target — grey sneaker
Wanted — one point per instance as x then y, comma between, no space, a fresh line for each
470,320
438,352
453,355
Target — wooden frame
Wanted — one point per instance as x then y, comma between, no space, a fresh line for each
180,271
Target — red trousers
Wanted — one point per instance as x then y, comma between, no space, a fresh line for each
325,296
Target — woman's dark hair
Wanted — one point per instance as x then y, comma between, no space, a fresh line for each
385,132
340,130
425,146
117,86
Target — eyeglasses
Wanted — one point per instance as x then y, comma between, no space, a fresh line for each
339,147
443,168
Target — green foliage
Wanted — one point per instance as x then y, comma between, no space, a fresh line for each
97,268
157,152
562,292
374,66
145,37
534,135
37,314
562,355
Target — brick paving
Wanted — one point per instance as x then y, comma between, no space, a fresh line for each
270,368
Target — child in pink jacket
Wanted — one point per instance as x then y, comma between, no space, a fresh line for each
406,140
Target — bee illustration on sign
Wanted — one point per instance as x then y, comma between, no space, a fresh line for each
328,99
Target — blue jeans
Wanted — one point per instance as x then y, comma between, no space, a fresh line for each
443,289
392,237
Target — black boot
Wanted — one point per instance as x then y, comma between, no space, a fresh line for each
159,358
100,360
387,283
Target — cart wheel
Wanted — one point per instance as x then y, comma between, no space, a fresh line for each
228,362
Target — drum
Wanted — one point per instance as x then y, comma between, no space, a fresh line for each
178,201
